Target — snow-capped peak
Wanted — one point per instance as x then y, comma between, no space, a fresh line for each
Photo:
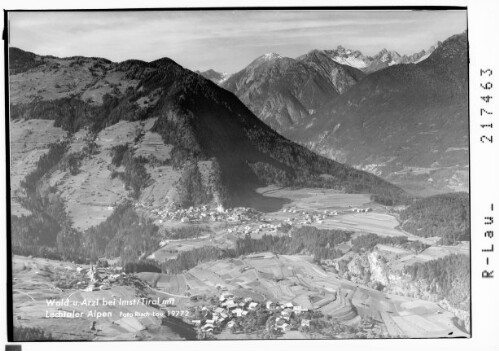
271,56
348,57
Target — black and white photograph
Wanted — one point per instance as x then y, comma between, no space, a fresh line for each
179,174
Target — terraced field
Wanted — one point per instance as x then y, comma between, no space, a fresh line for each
283,278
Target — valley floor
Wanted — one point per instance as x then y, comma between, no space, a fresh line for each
279,284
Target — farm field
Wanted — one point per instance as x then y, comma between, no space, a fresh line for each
315,198
378,221
372,222
283,278
91,194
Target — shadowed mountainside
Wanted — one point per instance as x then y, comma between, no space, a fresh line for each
197,119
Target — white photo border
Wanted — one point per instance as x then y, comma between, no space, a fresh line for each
483,28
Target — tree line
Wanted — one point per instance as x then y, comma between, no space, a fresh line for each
449,277
446,216
319,243
367,242
135,175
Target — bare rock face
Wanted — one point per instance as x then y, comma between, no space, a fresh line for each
382,59
378,269
358,266
372,269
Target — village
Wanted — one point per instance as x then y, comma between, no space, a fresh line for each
239,214
242,221
97,277
229,312
202,214
228,315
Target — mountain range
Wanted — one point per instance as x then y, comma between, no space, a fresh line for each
284,92
166,134
401,117
158,169
382,59
348,57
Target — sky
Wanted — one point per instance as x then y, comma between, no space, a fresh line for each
227,41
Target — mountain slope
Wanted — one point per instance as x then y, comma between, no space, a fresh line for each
285,92
410,119
153,133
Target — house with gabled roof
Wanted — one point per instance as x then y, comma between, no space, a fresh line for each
252,305
299,309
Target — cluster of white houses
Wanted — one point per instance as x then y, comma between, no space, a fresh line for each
360,210
304,217
206,214
229,309
99,278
